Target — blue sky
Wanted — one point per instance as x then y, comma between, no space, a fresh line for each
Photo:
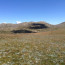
51,11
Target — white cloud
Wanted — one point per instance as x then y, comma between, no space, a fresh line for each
18,22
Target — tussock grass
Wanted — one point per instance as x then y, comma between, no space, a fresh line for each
44,48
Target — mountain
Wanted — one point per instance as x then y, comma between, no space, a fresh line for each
8,26
29,27
61,25
34,25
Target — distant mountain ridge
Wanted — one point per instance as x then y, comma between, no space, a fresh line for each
61,25
30,26
21,25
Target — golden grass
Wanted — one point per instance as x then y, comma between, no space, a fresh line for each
44,48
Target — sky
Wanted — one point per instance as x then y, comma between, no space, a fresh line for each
50,11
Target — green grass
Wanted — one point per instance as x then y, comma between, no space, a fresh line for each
45,48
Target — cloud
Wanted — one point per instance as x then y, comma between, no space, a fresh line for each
18,22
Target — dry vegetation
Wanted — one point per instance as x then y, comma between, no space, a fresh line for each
43,48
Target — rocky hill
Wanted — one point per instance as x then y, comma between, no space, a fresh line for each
29,27
61,25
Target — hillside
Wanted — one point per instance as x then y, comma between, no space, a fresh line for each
39,44
29,27
61,25
41,48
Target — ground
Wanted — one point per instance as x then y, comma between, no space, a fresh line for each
43,48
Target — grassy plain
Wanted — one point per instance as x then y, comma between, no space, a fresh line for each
43,48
